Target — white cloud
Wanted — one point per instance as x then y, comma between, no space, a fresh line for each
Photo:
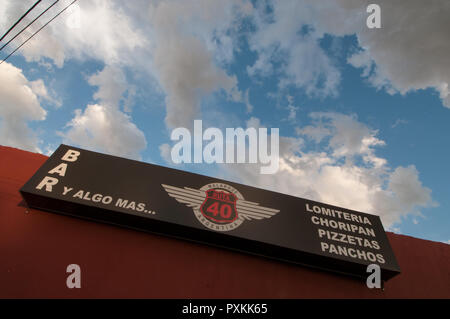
187,73
346,173
403,195
183,44
248,105
292,112
283,48
254,122
184,55
111,83
348,136
399,122
292,116
39,88
164,151
186,45
105,32
105,129
41,91
19,104
315,132
410,51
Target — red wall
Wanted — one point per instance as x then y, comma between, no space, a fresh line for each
36,247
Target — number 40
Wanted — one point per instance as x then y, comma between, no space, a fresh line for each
224,211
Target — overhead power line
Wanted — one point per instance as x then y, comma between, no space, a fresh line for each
21,18
39,30
29,24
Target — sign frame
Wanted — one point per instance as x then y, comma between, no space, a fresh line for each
270,224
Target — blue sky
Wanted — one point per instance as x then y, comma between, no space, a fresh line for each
362,112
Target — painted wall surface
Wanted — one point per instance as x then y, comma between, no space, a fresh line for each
36,247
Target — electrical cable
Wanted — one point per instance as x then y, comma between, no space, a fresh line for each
38,30
28,25
20,19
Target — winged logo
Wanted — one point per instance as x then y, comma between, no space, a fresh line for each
219,206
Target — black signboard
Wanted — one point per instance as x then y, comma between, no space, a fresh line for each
209,210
